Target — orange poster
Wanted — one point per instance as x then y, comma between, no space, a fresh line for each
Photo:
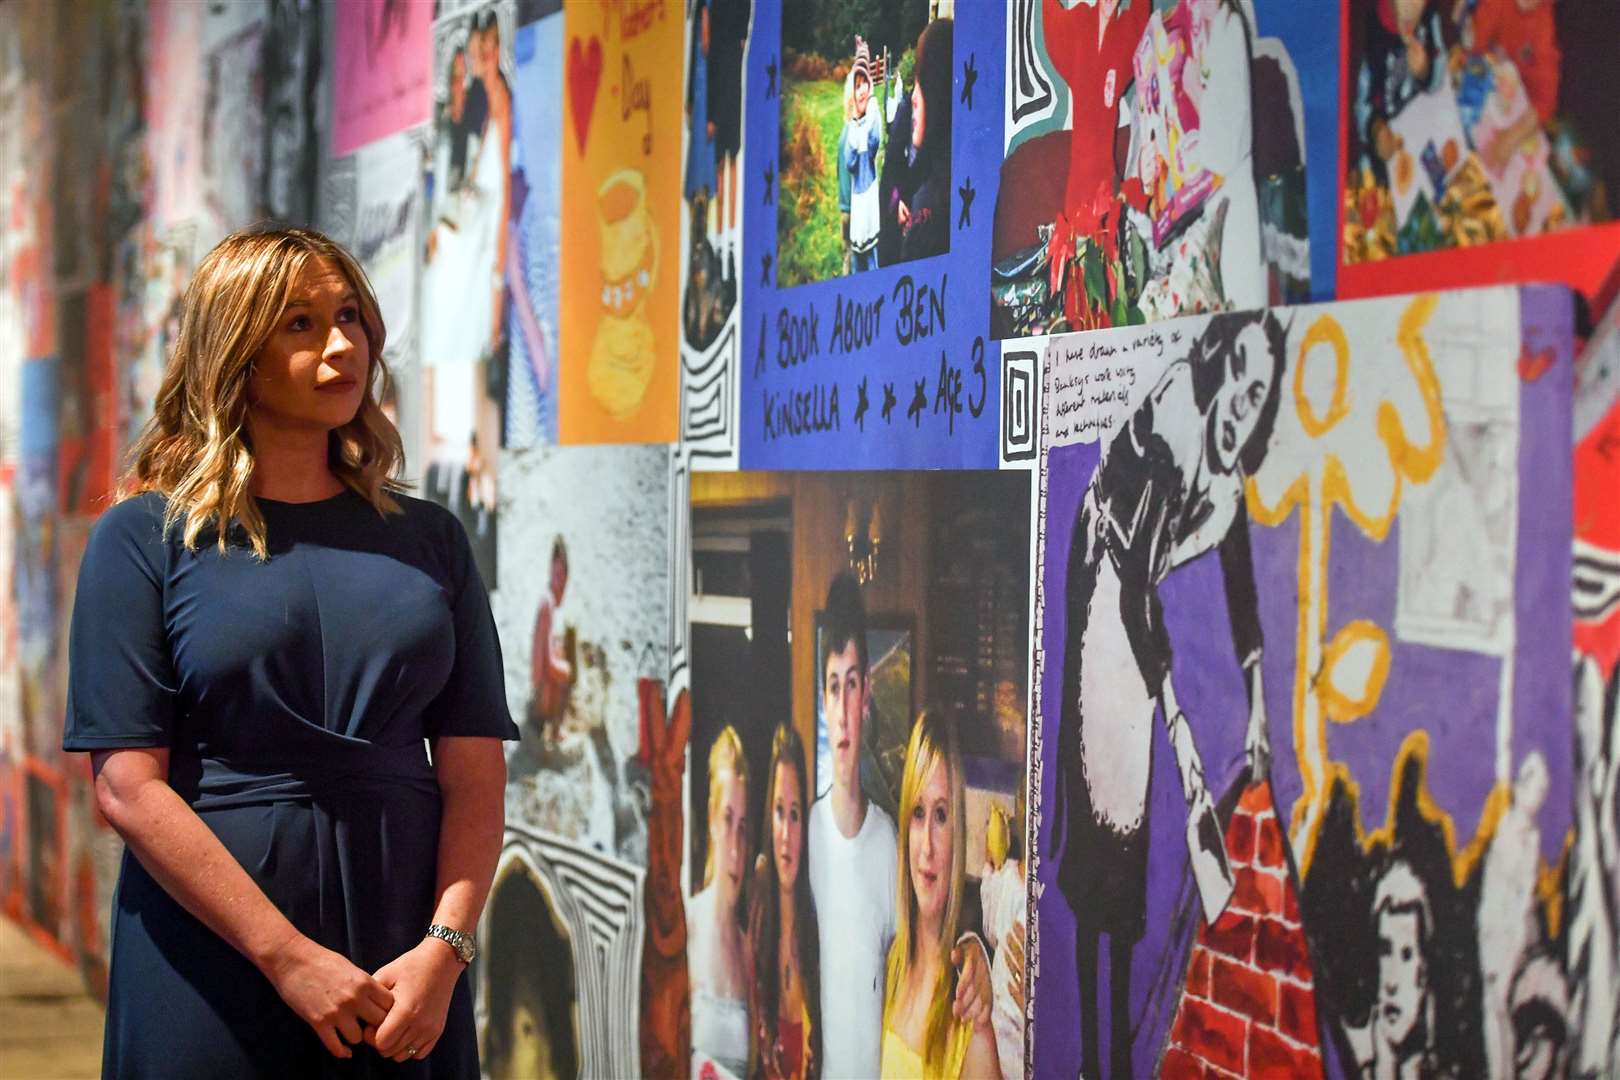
620,225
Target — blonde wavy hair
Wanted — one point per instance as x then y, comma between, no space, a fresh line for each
933,742
196,449
726,755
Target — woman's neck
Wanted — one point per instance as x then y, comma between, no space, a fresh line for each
790,911
926,961
291,465
725,911
731,943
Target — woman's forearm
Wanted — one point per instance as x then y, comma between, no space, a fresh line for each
185,857
472,778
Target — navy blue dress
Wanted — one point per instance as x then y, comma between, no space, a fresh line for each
294,696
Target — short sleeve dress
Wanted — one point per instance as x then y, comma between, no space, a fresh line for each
296,697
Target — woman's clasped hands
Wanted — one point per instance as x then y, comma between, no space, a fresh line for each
399,1011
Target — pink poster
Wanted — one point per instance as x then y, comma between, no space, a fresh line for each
384,83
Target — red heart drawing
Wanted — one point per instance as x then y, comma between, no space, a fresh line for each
584,76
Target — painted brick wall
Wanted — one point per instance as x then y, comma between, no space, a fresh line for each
1248,1008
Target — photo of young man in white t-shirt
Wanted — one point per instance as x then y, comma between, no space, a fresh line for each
853,855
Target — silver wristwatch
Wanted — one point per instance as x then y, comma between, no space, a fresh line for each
466,948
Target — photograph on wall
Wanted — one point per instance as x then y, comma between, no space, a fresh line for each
463,331
533,267
262,69
561,948
84,420
384,83
45,864
1478,123
12,841
711,268
873,147
153,272
27,301
621,182
1156,161
36,582
851,82
233,120
1298,806
173,87
885,618
385,235
583,619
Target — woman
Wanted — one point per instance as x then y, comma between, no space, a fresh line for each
717,951
782,927
921,1037
1169,489
924,210
265,632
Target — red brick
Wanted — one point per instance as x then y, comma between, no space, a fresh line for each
1261,894
1281,949
1296,1014
1232,935
1291,906
1256,798
1245,990
1180,1065
1270,851
1216,1036
1198,973
1270,1056
1240,839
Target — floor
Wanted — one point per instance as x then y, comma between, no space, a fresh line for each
50,1029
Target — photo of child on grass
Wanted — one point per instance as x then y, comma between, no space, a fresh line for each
865,156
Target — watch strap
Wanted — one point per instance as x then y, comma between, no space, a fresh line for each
463,943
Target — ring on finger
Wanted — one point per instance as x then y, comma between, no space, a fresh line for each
410,1051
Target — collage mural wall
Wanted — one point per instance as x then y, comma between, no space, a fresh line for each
1034,537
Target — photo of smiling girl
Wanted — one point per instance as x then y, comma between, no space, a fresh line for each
717,949
786,1001
921,1037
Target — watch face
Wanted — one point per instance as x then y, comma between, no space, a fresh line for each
466,948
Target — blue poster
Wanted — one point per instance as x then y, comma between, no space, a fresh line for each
874,147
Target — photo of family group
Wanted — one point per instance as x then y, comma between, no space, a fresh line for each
865,136
1475,121
860,651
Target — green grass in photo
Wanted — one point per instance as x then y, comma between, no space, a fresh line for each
809,229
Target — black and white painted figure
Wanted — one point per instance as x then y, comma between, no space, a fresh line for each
1169,488
1399,1038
